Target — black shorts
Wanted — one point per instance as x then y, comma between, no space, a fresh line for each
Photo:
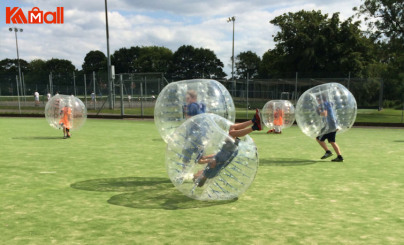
330,137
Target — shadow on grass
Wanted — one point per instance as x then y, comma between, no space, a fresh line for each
399,141
144,193
157,139
39,138
286,162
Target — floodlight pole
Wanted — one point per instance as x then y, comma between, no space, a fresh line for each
108,58
232,19
18,54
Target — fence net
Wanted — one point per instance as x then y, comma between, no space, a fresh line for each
138,93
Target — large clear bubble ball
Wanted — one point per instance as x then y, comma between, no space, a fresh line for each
278,114
326,108
65,109
183,99
205,163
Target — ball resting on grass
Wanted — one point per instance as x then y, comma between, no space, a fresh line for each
278,113
171,106
55,107
205,163
326,108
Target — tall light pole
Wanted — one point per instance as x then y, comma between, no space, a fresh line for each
18,54
232,19
108,58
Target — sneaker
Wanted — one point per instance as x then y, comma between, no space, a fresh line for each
270,131
338,159
258,120
327,155
64,137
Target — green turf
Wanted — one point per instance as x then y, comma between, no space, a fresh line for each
364,115
108,185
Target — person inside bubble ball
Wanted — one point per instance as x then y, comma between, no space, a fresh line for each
329,131
278,121
228,151
65,119
192,107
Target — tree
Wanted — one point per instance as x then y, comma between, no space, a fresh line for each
384,17
124,60
153,59
59,66
94,61
188,63
10,66
38,66
247,63
208,65
385,21
62,71
310,42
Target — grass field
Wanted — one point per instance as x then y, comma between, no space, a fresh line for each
108,185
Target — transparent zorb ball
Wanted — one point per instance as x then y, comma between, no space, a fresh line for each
326,108
278,114
59,105
171,106
205,163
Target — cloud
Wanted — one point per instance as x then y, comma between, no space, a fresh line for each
170,23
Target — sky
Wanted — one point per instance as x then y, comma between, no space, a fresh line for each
169,23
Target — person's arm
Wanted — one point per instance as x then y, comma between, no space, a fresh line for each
206,159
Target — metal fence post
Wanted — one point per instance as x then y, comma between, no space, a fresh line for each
18,95
122,108
23,89
141,99
248,77
296,89
85,90
74,84
50,83
381,96
95,93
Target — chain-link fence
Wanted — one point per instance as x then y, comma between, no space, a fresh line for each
138,93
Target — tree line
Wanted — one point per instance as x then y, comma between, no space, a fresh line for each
308,42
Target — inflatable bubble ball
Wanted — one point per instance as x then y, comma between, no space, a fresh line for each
65,109
184,99
205,163
278,114
324,109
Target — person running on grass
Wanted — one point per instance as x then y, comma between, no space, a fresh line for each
329,131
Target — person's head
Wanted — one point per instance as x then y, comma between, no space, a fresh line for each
321,99
191,96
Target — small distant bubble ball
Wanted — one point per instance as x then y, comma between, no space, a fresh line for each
205,163
278,113
172,104
326,108
60,104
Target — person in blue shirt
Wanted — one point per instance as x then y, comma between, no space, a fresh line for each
192,107
328,132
